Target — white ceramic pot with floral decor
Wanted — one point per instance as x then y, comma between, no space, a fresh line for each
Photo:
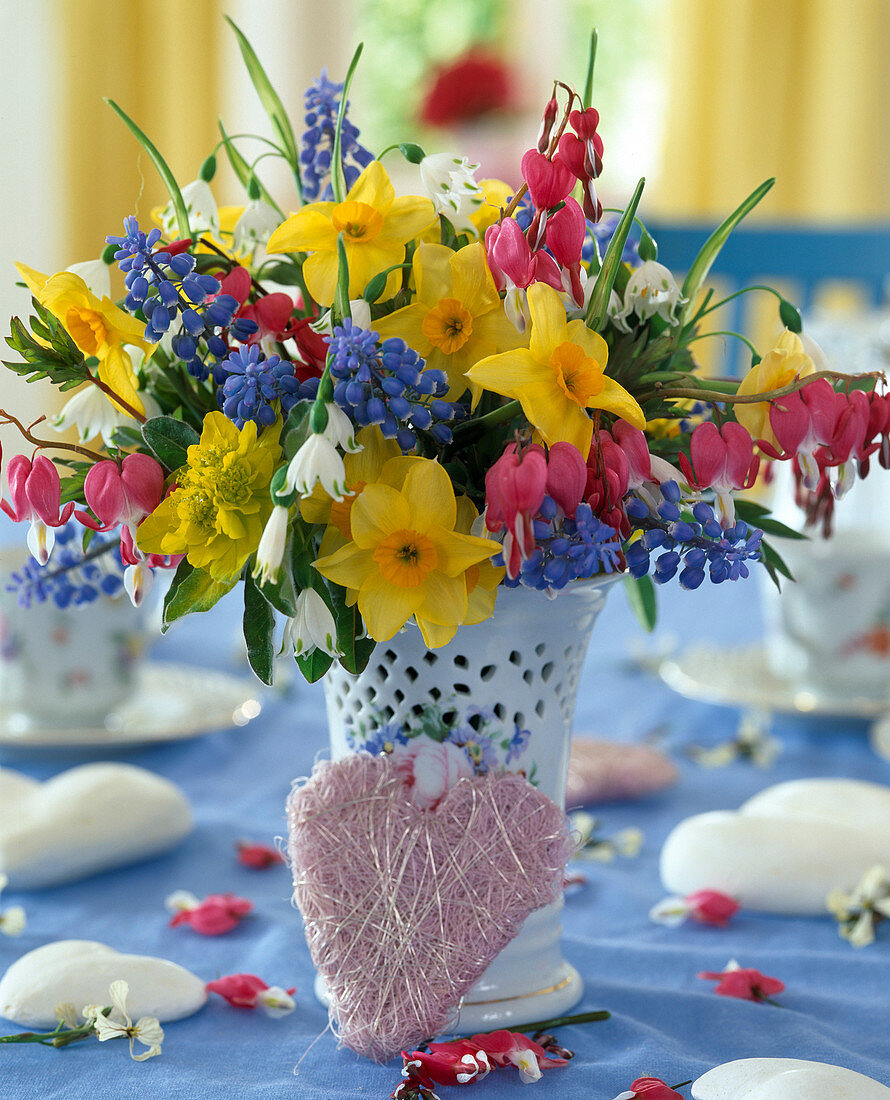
501,696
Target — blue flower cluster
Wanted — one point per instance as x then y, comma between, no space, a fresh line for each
600,233
566,549
67,579
322,104
253,382
386,384
164,285
694,546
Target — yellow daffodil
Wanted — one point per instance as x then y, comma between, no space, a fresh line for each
217,512
785,362
96,326
458,317
559,376
375,225
405,557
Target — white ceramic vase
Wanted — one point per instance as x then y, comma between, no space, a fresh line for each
505,691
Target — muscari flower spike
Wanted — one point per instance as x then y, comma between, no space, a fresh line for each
694,546
322,101
253,381
164,285
386,384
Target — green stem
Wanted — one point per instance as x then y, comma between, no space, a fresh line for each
475,429
338,180
723,332
60,1036
769,289
565,1021
714,397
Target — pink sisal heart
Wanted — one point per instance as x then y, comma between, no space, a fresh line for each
405,908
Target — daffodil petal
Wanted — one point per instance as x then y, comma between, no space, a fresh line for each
408,217
432,273
428,488
595,347
445,599
507,372
386,608
306,231
373,187
350,566
407,323
472,281
116,371
456,552
367,260
548,315
435,635
320,272
614,398
378,511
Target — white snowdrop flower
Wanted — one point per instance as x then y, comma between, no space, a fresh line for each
616,313
360,312
270,551
255,226
91,413
200,205
147,1029
317,462
449,181
276,1002
650,291
312,627
340,430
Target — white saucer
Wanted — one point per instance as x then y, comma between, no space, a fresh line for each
172,703
740,677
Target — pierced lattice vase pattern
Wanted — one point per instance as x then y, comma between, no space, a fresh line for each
500,695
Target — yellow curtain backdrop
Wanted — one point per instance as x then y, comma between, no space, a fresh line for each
797,89
158,59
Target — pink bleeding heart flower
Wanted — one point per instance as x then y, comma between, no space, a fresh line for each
514,489
514,267
258,856
584,156
249,991
566,230
36,491
877,435
566,477
802,422
743,982
214,916
650,1088
608,475
549,181
122,495
459,1063
848,440
723,459
512,1048
273,313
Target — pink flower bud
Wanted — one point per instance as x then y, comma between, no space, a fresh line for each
711,907
258,856
550,113
215,915
240,990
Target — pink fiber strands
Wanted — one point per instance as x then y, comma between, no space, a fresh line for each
405,908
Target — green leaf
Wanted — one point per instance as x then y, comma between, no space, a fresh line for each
338,180
195,591
411,152
755,515
127,438
270,100
591,62
641,596
314,665
605,280
356,651
282,595
648,249
296,429
182,218
285,273
341,307
701,265
170,440
774,564
259,626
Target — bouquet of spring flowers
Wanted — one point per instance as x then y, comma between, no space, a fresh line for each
383,408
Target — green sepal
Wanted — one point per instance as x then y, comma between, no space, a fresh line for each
182,218
642,598
270,100
259,627
789,315
169,439
375,287
709,251
318,417
108,252
605,280
648,249
254,191
192,590
208,169
276,489
411,152
341,307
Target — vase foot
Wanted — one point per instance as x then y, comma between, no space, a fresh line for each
556,999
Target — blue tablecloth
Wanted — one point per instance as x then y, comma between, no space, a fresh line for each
665,1021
